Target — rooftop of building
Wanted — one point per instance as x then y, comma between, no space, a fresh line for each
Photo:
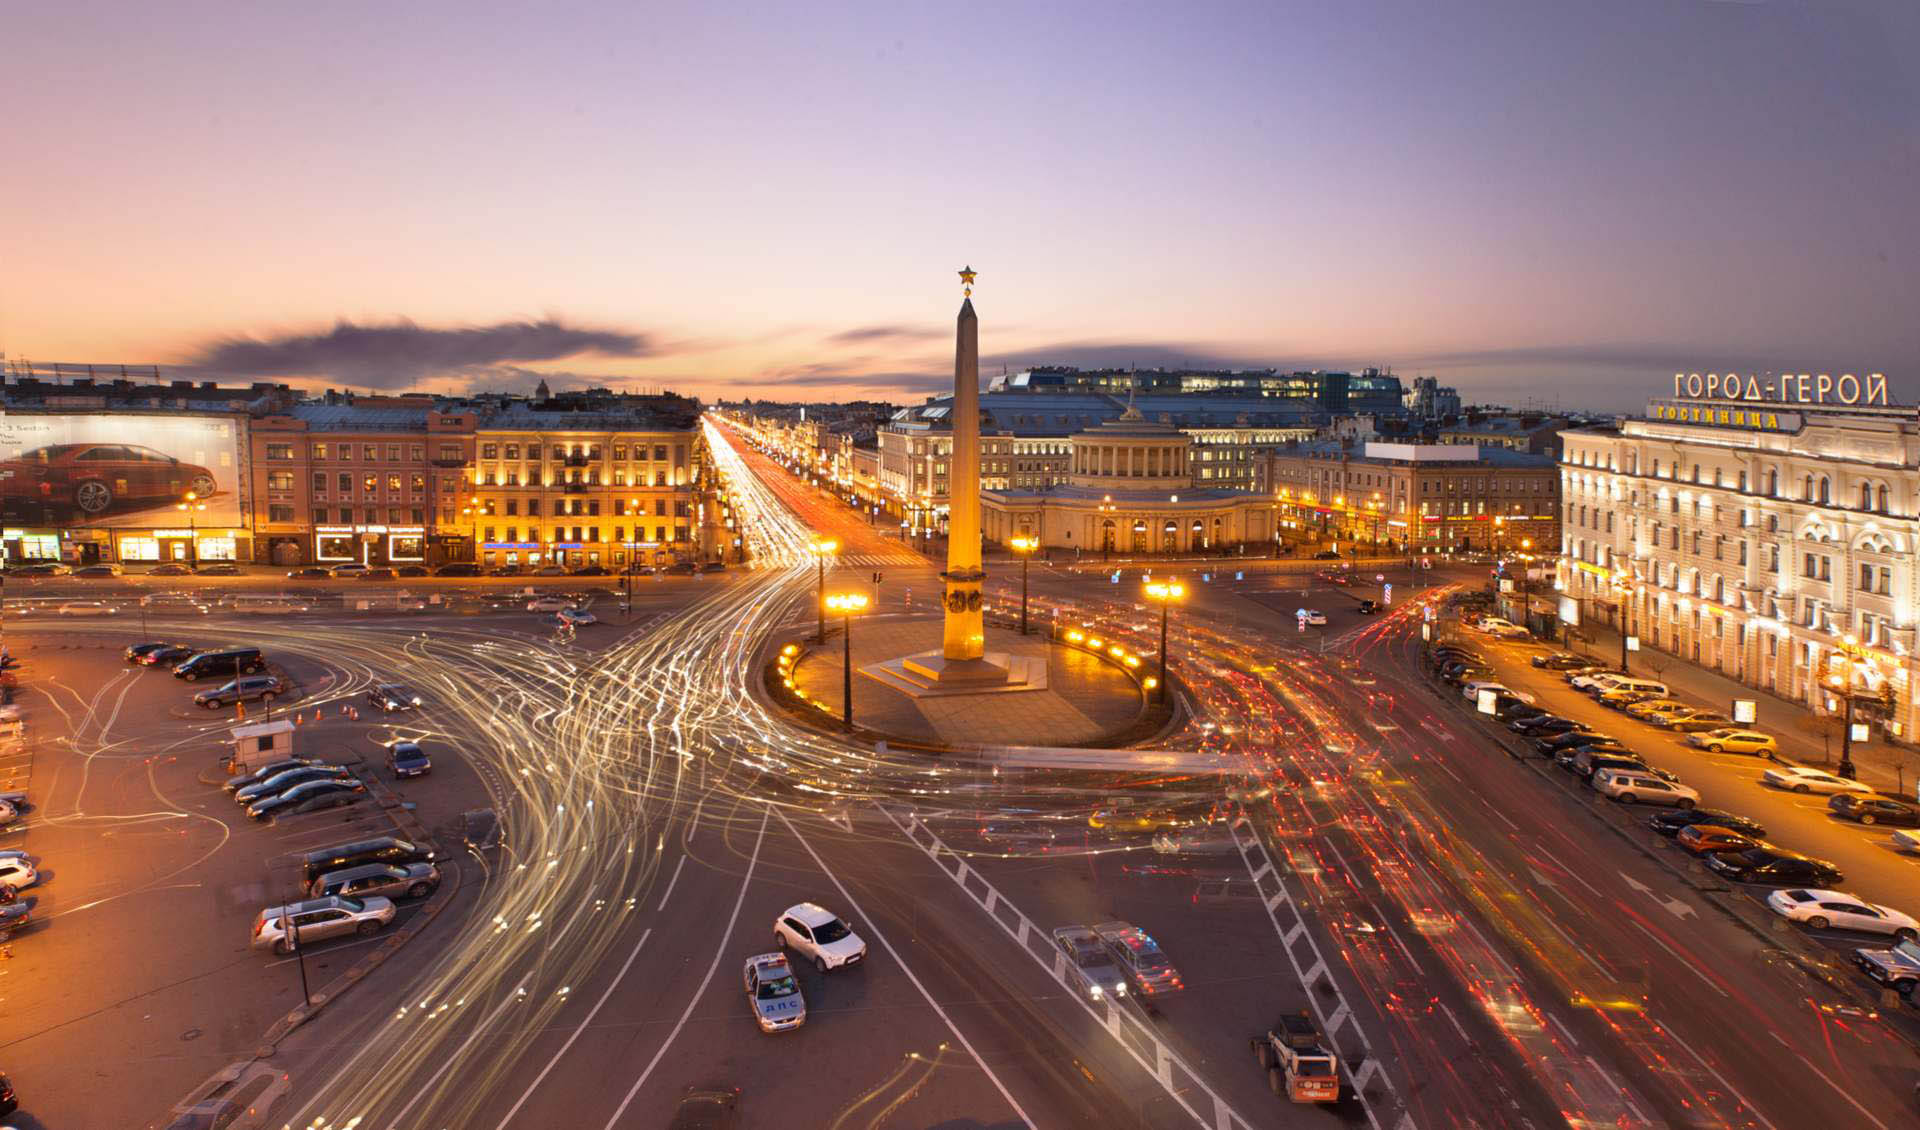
1421,454
1064,413
1133,496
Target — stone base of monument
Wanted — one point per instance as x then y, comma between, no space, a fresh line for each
930,674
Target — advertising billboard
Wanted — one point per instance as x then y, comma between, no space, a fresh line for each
108,471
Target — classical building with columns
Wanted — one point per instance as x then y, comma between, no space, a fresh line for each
1129,488
1771,542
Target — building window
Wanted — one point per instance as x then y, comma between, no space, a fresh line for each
449,452
513,507
319,482
319,451
533,508
280,480
320,514
369,484
513,451
393,484
279,513
346,482
280,451
489,451
393,453
369,453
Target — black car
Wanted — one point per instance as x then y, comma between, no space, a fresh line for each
1560,661
702,1109
1544,726
310,573
309,796
166,656
679,569
1459,674
218,569
1670,822
411,571
377,573
1369,607
714,567
1869,809
458,569
407,759
385,849
170,569
1571,739
235,784
1775,867
504,571
139,651
276,783
224,662
591,571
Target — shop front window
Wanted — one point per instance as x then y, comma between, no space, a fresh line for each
335,547
216,549
406,547
139,549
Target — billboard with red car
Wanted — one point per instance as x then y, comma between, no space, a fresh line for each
131,470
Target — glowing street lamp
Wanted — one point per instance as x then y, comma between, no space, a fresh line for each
1165,593
192,507
1024,546
846,604
823,548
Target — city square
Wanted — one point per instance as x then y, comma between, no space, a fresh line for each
894,647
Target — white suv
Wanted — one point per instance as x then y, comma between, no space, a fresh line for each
816,932
1632,786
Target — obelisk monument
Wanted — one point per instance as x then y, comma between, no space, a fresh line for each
965,635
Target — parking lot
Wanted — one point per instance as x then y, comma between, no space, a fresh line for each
150,875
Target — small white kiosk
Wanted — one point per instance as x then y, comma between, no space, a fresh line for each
260,743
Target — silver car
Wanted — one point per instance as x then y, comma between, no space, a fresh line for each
317,920
1089,964
774,993
413,880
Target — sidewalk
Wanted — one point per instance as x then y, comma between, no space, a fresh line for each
1804,737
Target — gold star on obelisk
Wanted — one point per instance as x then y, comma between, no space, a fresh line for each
966,281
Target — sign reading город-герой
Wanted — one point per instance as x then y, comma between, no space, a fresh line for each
1783,388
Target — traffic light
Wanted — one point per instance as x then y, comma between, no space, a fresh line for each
876,578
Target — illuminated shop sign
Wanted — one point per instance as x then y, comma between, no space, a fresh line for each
1783,388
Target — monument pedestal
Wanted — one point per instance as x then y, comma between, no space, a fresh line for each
929,673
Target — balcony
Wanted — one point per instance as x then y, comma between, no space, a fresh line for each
574,488
450,464
577,460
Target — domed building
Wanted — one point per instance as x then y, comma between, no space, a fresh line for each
1129,490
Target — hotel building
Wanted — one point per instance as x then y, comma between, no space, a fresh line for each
1770,542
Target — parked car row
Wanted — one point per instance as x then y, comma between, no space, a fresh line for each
1732,846
295,785
1112,959
351,889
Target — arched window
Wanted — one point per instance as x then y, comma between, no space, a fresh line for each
1826,490
1880,499
1773,482
1806,492
1866,496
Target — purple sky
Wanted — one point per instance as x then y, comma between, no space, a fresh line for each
1532,199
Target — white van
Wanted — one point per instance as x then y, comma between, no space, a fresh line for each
1630,786
1595,681
1622,683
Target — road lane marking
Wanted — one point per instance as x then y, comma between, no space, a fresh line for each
719,952
670,883
1569,872
1864,1112
582,1026
1655,939
867,919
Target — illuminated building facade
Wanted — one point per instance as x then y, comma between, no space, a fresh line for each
1768,540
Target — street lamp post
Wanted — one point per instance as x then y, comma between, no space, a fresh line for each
1842,682
846,604
1164,592
1024,546
1626,610
822,548
192,507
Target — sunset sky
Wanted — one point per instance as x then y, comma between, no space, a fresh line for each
1532,199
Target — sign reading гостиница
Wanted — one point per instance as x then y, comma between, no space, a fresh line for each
1783,388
